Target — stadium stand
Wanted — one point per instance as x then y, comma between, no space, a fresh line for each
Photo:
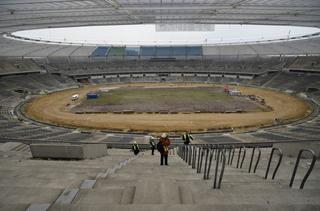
165,52
132,52
306,63
100,52
114,182
116,53
8,67
120,181
242,67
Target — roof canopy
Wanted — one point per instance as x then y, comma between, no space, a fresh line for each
30,14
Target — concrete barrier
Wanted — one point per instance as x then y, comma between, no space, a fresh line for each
68,151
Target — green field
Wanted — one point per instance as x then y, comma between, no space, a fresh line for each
158,95
179,99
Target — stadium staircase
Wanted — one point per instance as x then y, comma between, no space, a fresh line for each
143,184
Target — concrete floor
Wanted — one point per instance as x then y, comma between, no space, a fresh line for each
121,181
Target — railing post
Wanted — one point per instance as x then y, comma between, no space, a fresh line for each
201,158
216,170
198,161
258,160
252,155
205,164
190,155
222,169
243,157
229,155
233,151
186,154
194,157
314,158
239,154
210,162
269,163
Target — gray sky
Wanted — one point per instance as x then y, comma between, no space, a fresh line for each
147,35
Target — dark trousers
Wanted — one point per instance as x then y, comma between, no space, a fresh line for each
152,150
136,152
165,158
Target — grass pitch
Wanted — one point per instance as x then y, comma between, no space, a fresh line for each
159,96
166,99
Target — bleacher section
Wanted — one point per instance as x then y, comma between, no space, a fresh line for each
28,182
34,83
100,52
249,67
116,52
121,181
298,82
8,67
306,64
14,48
148,52
132,52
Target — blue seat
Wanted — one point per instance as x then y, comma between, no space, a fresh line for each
100,52
194,51
132,51
164,52
148,51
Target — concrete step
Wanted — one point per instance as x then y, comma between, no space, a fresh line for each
47,181
110,195
73,165
256,196
151,191
188,207
128,176
105,184
13,207
23,195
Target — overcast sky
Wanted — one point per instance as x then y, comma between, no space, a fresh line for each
147,35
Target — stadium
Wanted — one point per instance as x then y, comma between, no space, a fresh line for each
71,110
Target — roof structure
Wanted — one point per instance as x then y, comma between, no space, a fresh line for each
18,15
31,14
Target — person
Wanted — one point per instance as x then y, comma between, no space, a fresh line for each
135,148
152,144
187,138
163,148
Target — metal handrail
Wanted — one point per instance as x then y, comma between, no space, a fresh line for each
210,162
222,170
258,160
251,160
205,163
269,163
314,158
229,154
194,157
215,185
179,151
198,158
233,151
216,170
201,158
186,154
190,155
243,157
239,155
224,150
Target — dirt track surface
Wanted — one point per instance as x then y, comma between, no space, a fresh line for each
53,109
